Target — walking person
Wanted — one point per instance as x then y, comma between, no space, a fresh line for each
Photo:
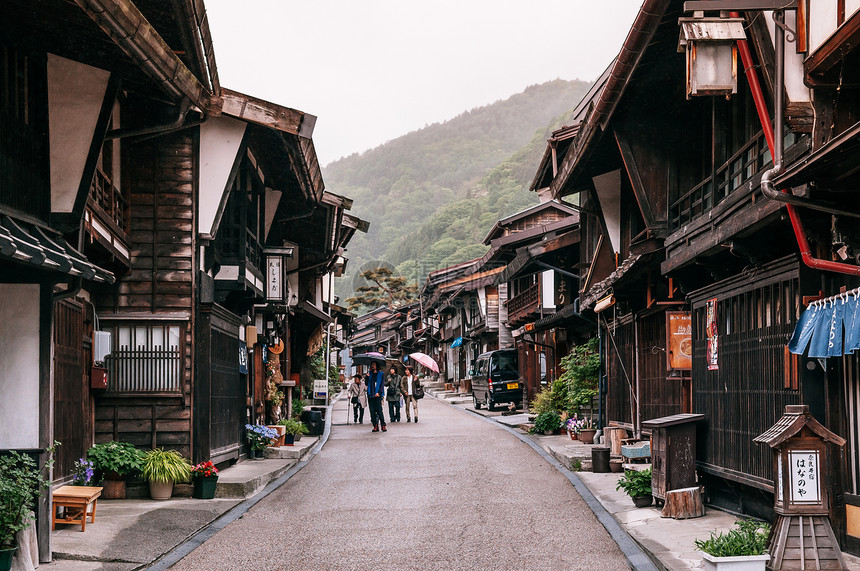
357,392
392,394
375,381
408,385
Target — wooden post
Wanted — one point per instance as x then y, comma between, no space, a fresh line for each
684,503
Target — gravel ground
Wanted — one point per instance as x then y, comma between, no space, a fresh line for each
451,492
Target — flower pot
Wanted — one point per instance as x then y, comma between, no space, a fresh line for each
6,556
738,563
642,501
204,487
280,430
616,465
548,432
113,489
160,490
586,435
259,454
289,439
573,435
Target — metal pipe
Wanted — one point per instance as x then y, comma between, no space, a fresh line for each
773,135
184,107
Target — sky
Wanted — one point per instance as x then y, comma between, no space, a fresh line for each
373,70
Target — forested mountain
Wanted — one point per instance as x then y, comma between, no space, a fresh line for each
431,195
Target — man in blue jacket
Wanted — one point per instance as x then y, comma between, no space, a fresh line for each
375,382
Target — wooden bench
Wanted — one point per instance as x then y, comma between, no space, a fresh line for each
75,500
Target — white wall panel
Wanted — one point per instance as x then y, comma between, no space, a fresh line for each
19,366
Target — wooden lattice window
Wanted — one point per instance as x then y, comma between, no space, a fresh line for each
145,357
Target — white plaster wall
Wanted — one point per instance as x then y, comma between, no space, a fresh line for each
220,138
608,187
794,85
19,366
822,22
482,301
273,197
547,289
75,95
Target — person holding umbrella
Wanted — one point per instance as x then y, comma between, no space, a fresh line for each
408,387
375,381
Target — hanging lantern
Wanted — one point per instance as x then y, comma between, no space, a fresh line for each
710,45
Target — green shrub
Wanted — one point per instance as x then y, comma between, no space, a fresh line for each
120,457
580,373
635,483
21,482
749,539
293,426
547,421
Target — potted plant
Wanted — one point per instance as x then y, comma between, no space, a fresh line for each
20,485
587,431
205,476
547,422
637,485
741,549
114,461
291,429
161,468
259,437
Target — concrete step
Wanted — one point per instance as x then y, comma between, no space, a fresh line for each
245,479
295,452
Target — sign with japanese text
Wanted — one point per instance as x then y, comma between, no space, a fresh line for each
243,358
563,294
804,477
679,340
274,278
713,352
320,389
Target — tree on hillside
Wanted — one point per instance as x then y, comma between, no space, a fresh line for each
386,289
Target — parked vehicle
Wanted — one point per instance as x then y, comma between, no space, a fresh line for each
496,379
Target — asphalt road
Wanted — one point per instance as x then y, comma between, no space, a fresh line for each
451,492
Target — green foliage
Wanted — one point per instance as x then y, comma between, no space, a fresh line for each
580,372
547,421
450,180
749,539
635,483
160,465
21,482
386,289
298,407
318,370
120,457
293,426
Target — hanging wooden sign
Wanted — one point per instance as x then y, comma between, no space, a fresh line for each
679,340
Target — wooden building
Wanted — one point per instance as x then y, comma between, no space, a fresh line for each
693,220
140,205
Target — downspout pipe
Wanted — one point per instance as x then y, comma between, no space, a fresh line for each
775,139
184,107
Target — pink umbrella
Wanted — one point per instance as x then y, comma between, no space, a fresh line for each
425,360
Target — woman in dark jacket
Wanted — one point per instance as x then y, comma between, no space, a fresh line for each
392,394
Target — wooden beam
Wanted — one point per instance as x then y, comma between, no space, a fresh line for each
635,180
128,28
834,50
267,114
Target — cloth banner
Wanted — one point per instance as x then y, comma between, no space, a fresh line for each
829,327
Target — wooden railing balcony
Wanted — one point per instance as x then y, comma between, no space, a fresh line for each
524,304
110,201
750,159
